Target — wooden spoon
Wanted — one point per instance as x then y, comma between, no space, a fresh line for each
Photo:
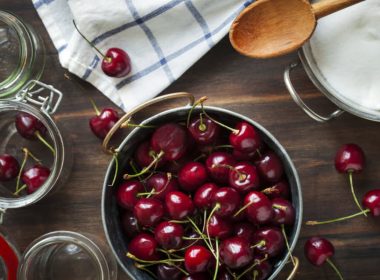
270,28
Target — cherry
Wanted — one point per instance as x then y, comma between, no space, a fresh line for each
349,158
126,195
270,167
198,259
203,130
144,155
34,177
225,201
319,250
9,167
280,189
169,235
116,63
244,230
258,208
165,271
28,126
235,252
203,196
102,123
217,166
129,224
144,247
245,156
171,139
197,276
247,139
269,241
148,211
284,212
218,227
192,175
162,184
260,271
179,205
244,177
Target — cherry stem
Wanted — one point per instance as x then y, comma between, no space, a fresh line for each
196,103
39,136
204,220
169,178
255,274
313,223
261,243
27,153
243,208
258,152
201,235
114,155
234,131
134,168
242,176
270,190
128,124
216,208
20,189
353,192
202,127
257,262
223,146
287,244
91,44
167,261
145,169
96,109
280,207
335,268
143,267
217,259
179,222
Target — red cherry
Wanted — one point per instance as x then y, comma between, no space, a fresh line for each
235,252
162,185
28,125
192,176
261,271
171,139
247,139
126,195
217,166
165,271
148,211
35,177
318,250
179,205
9,167
169,235
280,189
228,201
244,177
218,227
244,230
143,246
284,212
102,123
116,63
270,167
204,132
203,196
271,241
198,259
129,224
259,209
371,201
144,155
349,158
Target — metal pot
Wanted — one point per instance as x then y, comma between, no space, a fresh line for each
344,104
110,211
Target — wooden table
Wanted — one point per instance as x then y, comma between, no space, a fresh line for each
254,88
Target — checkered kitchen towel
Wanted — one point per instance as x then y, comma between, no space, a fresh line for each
162,37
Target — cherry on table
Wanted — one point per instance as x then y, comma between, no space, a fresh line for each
244,177
219,227
349,158
165,271
235,252
9,167
169,235
270,167
203,130
34,177
203,195
144,247
225,201
268,240
129,224
179,205
217,165
198,259
258,208
162,184
247,139
148,211
192,175
104,120
126,194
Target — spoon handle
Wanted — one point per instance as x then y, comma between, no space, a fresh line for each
326,7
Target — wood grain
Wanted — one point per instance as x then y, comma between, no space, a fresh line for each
255,89
326,7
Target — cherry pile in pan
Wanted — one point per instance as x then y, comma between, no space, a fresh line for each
26,178
201,200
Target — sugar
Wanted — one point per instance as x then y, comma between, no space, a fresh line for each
346,47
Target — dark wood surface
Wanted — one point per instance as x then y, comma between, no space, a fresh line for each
254,88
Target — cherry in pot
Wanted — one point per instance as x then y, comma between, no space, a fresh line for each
258,208
219,227
192,175
126,194
148,211
144,155
162,184
218,166
165,271
203,130
268,240
246,138
244,177
143,247
225,201
179,205
130,224
270,167
169,235
235,252
198,259
203,195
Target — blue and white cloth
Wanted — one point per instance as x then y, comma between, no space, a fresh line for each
162,37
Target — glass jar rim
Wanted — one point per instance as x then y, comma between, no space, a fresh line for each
58,163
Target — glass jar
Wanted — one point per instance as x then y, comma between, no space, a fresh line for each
22,54
41,102
58,255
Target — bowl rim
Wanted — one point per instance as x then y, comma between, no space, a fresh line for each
299,207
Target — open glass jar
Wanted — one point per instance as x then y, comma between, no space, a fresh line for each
40,101
22,54
58,255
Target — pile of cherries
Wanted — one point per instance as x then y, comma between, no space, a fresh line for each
198,202
33,176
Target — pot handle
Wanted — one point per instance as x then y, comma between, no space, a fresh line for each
295,268
299,101
124,120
